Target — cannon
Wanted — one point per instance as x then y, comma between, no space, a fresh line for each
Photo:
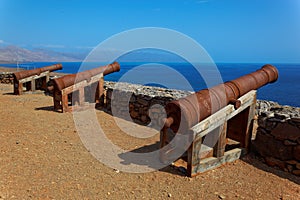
29,77
225,111
80,87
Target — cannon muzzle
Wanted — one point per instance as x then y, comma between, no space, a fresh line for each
184,113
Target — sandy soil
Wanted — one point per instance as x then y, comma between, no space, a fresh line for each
42,157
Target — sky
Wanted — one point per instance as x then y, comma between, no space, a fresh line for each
229,30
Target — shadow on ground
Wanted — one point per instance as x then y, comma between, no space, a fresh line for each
257,162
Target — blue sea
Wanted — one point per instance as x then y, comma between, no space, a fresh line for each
285,91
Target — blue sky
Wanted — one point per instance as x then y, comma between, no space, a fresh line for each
230,30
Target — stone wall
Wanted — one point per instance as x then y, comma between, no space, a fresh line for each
6,77
278,136
141,104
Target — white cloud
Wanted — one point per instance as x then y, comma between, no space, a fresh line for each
1,41
56,46
84,47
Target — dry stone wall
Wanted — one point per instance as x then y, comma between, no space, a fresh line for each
6,77
278,136
141,104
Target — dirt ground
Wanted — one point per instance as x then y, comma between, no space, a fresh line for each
42,157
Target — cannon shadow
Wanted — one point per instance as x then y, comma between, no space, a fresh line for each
172,169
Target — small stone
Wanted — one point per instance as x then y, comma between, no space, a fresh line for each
169,195
117,171
296,119
17,142
108,193
275,162
221,196
298,165
290,168
296,172
291,162
282,116
182,170
289,143
268,114
297,152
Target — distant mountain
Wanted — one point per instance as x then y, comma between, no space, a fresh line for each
13,54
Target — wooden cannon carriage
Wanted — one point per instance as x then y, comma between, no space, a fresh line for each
82,89
214,125
29,78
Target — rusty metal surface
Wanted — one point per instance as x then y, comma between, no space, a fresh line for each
38,71
71,79
187,112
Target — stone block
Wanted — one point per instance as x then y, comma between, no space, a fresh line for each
275,162
285,131
267,146
296,152
296,172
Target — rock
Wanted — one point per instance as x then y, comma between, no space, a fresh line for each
291,162
296,152
285,131
296,172
266,146
298,165
267,114
144,118
282,116
275,162
289,143
142,102
295,119
221,196
290,168
134,114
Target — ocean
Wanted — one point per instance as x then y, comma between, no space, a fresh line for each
286,90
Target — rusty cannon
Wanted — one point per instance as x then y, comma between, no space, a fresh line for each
86,86
29,78
211,122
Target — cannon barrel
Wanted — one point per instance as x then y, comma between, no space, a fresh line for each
38,71
184,113
68,80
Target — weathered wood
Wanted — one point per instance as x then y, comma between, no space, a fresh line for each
226,113
43,74
219,148
204,153
30,82
78,94
213,162
33,85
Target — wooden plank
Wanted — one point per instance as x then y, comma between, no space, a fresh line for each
81,84
219,118
18,87
219,148
213,162
250,123
24,80
81,96
65,102
33,85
